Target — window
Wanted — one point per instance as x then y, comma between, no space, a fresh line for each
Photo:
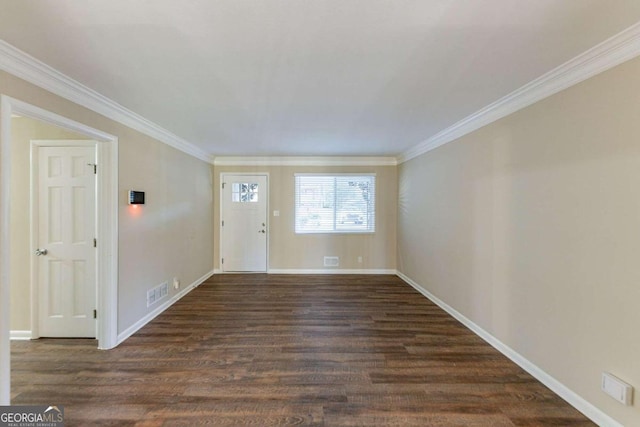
244,192
335,203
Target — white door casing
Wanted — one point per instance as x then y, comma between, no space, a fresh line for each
244,222
64,229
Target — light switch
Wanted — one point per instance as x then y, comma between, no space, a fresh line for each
276,213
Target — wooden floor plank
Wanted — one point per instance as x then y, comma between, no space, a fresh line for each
289,350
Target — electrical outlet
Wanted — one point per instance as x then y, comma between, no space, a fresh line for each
616,388
176,283
359,260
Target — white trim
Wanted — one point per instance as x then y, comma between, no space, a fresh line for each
26,67
25,109
336,174
20,335
5,197
332,271
611,52
152,315
107,228
305,161
575,400
64,143
316,271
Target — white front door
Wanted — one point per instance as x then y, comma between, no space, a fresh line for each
65,229
244,223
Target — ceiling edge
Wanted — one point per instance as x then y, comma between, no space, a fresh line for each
22,65
305,161
611,52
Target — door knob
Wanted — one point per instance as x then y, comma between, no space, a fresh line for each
40,252
261,231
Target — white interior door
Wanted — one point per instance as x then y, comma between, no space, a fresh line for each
65,216
244,223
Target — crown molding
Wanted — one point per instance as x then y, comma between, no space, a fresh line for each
305,161
24,66
611,52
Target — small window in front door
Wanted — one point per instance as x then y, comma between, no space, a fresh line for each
244,192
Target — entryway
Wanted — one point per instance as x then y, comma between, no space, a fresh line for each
244,226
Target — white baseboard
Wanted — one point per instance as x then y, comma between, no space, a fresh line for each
152,315
20,335
332,271
316,271
589,410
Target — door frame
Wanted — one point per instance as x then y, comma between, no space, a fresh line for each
36,144
107,228
220,233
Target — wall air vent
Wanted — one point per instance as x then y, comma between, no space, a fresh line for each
331,261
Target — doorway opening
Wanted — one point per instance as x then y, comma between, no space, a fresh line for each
106,227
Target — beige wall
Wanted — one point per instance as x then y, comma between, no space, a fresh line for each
172,235
288,250
530,227
23,130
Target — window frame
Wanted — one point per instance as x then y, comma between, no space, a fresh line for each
369,230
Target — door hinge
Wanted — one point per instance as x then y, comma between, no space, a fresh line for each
95,242
95,167
95,314
223,222
223,260
223,185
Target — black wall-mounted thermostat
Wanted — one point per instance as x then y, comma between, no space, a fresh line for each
136,197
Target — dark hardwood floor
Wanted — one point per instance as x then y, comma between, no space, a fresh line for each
289,350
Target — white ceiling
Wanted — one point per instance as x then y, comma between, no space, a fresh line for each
315,77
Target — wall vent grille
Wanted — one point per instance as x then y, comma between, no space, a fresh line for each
331,261
156,294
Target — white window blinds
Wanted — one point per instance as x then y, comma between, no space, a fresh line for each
335,203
